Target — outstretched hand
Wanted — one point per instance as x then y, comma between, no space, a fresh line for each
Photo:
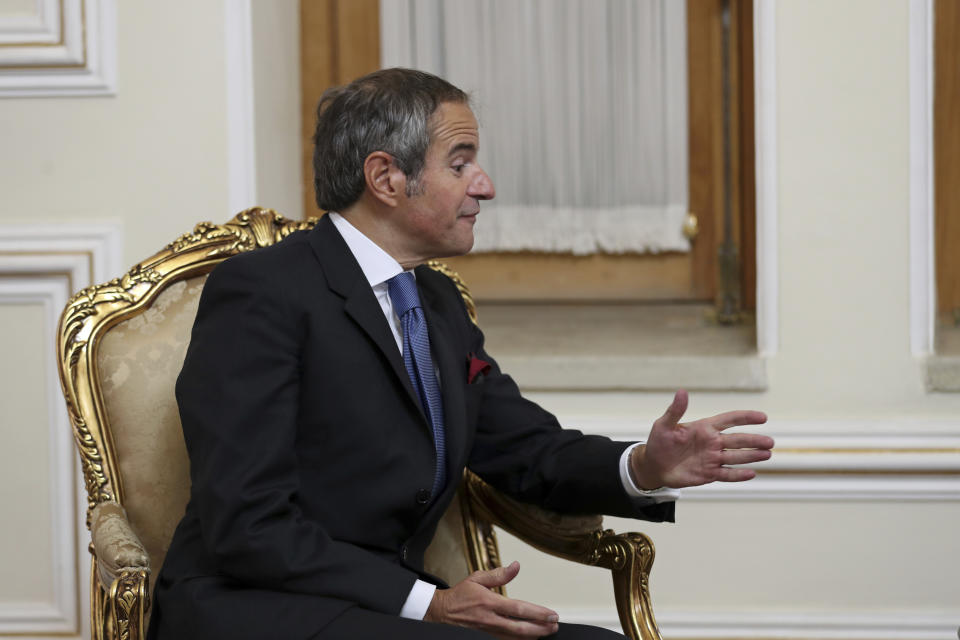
685,454
472,603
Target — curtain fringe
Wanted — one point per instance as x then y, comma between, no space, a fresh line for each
629,229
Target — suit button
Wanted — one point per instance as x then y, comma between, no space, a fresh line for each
423,496
403,553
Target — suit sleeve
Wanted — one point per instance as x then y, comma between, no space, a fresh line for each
522,450
238,395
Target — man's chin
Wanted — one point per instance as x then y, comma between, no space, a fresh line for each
468,245
459,249
468,240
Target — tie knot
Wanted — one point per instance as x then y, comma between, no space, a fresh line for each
403,292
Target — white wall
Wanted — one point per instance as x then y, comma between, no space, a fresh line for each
276,76
23,402
802,555
814,555
151,159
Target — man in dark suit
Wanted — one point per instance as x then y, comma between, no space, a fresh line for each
335,389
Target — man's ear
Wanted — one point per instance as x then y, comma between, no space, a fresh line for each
385,181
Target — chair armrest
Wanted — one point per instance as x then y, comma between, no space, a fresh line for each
629,556
121,585
117,547
570,537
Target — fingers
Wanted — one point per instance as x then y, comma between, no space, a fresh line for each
522,619
515,618
510,628
471,604
735,418
676,409
516,629
735,475
505,606
744,456
525,611
746,441
744,448
517,610
496,577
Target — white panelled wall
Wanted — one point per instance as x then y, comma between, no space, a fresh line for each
100,165
852,533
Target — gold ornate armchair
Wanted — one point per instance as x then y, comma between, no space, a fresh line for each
120,348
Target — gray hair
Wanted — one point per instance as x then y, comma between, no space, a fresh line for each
388,110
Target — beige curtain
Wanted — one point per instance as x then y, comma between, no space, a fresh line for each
582,107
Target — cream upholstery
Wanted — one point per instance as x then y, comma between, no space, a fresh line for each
121,347
117,544
139,360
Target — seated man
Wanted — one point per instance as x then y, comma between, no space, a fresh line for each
335,389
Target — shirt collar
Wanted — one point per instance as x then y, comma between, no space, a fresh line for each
377,265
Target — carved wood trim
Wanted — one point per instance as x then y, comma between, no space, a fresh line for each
129,601
93,310
629,556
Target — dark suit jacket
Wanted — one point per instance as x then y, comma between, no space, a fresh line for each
310,455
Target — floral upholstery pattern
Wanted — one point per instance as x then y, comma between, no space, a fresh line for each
118,547
139,360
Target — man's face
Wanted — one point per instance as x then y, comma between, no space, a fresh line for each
440,212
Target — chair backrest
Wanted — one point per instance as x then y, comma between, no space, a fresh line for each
121,347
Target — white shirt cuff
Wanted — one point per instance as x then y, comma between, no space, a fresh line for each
663,494
418,601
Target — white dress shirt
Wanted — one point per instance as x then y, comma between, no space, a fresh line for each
378,267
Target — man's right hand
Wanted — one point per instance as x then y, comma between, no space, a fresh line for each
472,603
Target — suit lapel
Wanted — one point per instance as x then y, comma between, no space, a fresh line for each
345,278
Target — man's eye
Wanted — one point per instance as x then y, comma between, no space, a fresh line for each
458,168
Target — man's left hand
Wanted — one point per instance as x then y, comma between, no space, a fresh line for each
686,454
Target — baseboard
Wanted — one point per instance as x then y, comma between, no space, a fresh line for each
784,625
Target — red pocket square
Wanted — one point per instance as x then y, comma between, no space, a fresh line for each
476,368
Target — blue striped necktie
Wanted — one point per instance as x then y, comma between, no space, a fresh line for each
419,364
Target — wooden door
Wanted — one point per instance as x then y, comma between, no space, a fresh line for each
946,136
339,41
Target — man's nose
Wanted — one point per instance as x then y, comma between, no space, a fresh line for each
481,187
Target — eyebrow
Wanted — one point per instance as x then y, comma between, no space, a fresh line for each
463,146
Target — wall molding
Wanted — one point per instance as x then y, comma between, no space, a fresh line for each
767,176
241,132
50,290
41,28
66,247
68,48
856,461
829,433
922,273
45,265
790,624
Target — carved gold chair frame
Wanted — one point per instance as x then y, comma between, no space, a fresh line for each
121,566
